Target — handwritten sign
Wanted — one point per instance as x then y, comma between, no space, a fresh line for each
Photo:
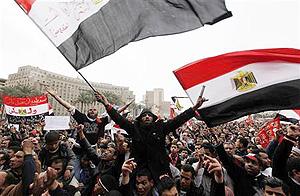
57,122
60,19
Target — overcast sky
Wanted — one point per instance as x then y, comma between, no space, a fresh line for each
149,63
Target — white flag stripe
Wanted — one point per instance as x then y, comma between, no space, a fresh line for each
27,111
222,88
60,19
290,114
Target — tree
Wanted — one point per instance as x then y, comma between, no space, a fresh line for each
85,98
18,91
113,98
88,97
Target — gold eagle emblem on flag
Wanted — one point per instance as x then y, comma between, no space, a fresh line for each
244,81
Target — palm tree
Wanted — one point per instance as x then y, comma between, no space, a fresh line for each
84,98
18,91
113,98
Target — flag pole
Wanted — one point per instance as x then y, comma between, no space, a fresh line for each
86,81
176,97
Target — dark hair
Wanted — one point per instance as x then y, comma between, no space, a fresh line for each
276,182
244,142
5,155
52,136
209,146
166,183
15,148
185,149
188,168
144,172
293,163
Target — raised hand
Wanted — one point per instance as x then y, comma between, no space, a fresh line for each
128,166
199,102
200,99
101,98
80,131
27,146
213,166
38,187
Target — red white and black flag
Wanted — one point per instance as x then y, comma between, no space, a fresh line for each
87,30
242,83
292,116
31,109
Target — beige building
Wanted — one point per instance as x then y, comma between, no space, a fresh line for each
66,87
2,82
155,100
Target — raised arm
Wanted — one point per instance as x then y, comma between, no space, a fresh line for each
213,166
184,116
28,167
53,93
124,107
283,151
84,143
115,115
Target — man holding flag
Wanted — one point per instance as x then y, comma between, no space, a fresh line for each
94,126
148,135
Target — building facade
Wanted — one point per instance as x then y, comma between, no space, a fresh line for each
66,87
155,100
2,82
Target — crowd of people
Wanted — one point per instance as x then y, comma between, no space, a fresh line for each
154,156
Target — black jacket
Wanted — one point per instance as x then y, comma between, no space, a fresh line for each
148,142
279,170
92,129
244,184
103,167
64,153
217,189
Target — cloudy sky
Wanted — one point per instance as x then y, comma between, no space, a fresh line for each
149,63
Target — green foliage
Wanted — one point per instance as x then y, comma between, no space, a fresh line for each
19,91
113,98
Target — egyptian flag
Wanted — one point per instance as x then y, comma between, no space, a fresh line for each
292,116
28,109
243,83
87,30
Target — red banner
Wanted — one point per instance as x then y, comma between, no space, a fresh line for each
267,132
25,101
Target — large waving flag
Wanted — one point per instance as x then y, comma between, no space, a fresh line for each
242,83
87,30
31,109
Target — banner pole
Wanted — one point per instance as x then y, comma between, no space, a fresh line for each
87,81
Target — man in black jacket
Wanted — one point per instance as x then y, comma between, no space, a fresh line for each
8,185
248,180
94,125
148,135
106,163
54,149
288,168
186,184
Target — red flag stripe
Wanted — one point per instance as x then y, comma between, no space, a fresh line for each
25,4
297,112
210,68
